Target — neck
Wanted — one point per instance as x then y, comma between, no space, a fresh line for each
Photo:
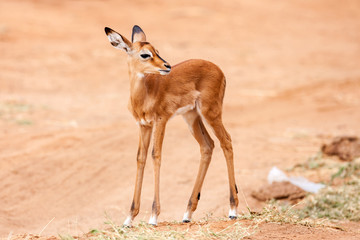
137,88
137,82
136,79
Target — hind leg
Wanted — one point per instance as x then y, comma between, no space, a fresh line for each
226,145
199,132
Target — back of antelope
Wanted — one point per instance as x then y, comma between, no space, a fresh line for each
194,89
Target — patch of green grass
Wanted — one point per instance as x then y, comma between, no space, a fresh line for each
24,122
349,170
14,106
337,202
16,112
312,163
340,203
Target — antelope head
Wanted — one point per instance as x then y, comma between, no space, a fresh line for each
142,56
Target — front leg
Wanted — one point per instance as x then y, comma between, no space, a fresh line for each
144,140
156,154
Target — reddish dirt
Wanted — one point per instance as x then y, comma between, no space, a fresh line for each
289,232
68,143
272,230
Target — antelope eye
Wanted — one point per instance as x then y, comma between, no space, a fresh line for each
145,56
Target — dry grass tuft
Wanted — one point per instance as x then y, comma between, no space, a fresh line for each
199,230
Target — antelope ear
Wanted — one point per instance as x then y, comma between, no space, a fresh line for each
117,40
138,35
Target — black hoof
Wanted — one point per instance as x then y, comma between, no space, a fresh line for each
186,221
233,217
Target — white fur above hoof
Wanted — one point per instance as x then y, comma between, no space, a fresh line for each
187,217
232,214
128,222
153,220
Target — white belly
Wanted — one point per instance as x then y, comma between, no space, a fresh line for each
182,110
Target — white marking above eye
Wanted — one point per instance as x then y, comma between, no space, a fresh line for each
145,51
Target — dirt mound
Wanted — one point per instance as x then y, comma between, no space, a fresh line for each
346,148
279,190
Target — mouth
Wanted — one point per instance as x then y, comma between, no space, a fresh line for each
164,72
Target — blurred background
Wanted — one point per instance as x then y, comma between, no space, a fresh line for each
68,143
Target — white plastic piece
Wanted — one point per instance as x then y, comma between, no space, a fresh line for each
305,184
276,175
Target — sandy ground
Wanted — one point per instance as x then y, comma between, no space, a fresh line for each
68,143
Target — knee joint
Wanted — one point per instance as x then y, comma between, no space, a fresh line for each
227,146
208,150
141,160
141,156
155,154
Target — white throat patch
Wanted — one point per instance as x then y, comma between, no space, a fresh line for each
140,75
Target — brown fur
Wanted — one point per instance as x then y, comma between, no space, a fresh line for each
157,95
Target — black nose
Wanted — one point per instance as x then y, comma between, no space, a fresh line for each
167,65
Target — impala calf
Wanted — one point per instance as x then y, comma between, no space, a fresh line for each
194,89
